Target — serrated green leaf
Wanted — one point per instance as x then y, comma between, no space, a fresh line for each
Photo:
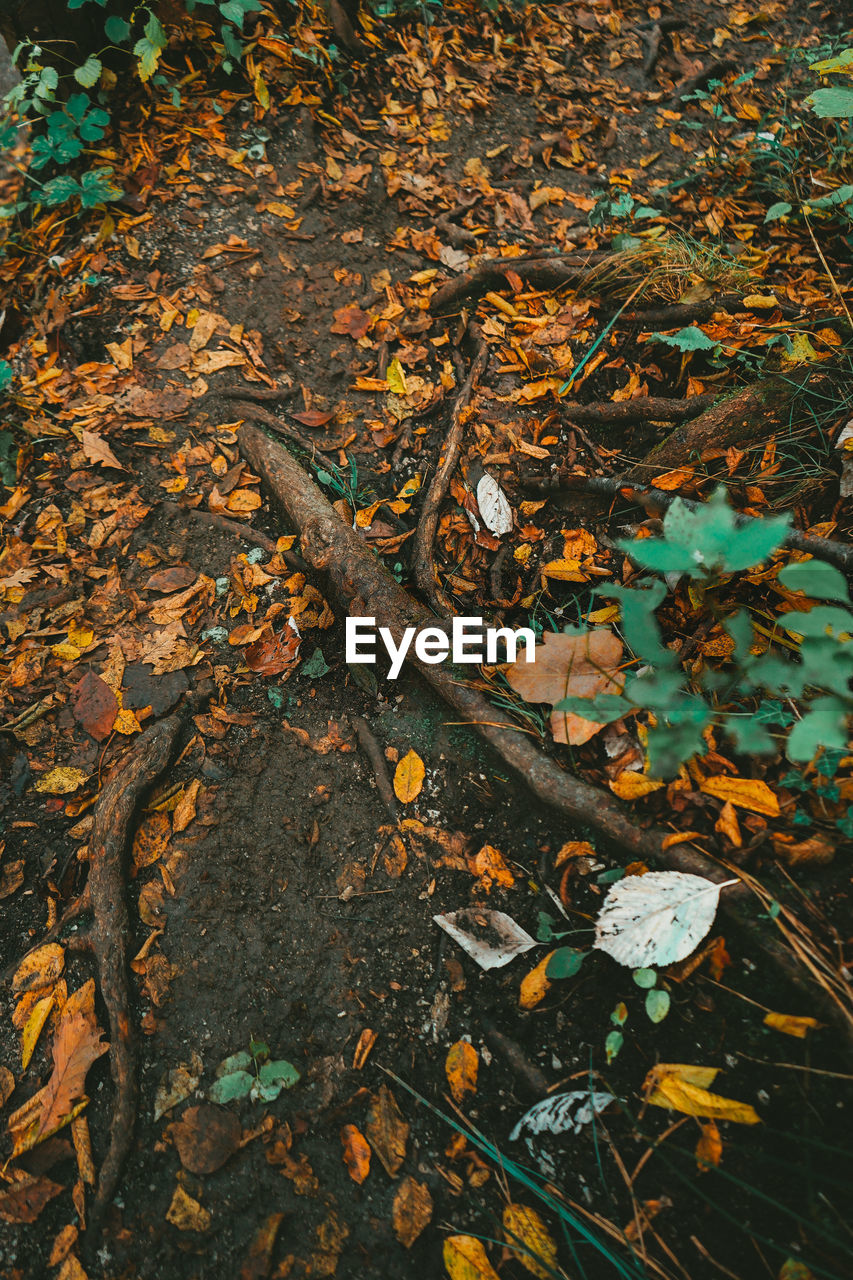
89,74
690,339
819,580
237,1084
778,210
831,104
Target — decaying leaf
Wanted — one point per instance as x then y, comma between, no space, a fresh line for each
41,968
205,1137
746,793
387,1131
409,777
530,1240
411,1211
656,919
535,985
570,666
25,1198
177,1084
709,1148
186,1213
561,1113
489,937
461,1067
789,1025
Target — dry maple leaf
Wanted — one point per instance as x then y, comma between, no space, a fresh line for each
77,1045
570,667
97,450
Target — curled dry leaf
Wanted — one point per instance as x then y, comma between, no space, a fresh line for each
682,1087
356,1154
465,1258
746,793
535,985
790,1025
461,1067
411,1211
570,667
709,1148
561,1113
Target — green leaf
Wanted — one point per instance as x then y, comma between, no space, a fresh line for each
280,1073
657,1004
59,190
842,62
315,666
619,1016
777,211
690,339
116,29
5,374
259,1049
613,1044
820,621
237,1084
604,708
645,978
637,606
823,725
669,746
750,734
236,1062
831,104
565,963
819,580
89,74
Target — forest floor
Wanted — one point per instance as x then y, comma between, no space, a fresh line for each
273,901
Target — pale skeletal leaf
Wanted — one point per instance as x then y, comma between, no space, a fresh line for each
658,918
494,508
490,937
562,1112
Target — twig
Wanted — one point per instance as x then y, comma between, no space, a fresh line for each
255,393
428,519
641,409
129,782
364,585
371,748
656,500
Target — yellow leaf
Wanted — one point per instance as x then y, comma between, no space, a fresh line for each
409,777
40,968
523,1226
61,780
126,723
461,1068
411,1211
280,210
489,865
32,1029
677,1093
746,793
701,1076
631,785
535,985
396,379
564,571
678,837
789,1025
187,1214
573,849
466,1259
761,301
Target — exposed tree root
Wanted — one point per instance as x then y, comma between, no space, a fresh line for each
657,500
128,783
683,313
750,416
643,409
366,588
541,272
259,414
371,748
428,521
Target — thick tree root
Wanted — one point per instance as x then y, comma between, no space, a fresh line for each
366,588
749,417
644,409
120,797
657,500
541,272
428,520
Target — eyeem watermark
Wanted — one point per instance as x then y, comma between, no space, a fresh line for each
469,641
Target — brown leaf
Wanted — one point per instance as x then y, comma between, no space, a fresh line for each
313,417
387,1131
356,1153
7,1085
11,878
205,1137
461,1066
259,1261
411,1211
271,654
570,666
351,320
98,451
151,839
78,1043
175,578
94,706
23,1201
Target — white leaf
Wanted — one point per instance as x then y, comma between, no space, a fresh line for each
657,918
495,511
490,937
561,1112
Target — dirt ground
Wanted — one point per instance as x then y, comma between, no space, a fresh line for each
280,911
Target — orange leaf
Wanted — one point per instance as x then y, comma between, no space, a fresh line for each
535,985
409,777
709,1148
790,1025
411,1211
356,1153
746,793
570,666
631,785
77,1045
461,1067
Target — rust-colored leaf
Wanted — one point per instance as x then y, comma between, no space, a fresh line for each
94,706
387,1131
24,1200
356,1154
461,1067
205,1137
570,666
411,1211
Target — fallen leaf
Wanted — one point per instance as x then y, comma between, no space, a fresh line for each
351,320
461,1067
176,578
41,968
61,781
790,1025
709,1148
187,1214
387,1131
177,1084
356,1154
94,706
411,1211
656,919
409,777
561,1113
151,840
535,985
465,1258
491,869
538,1252
77,1044
205,1137
630,785
24,1200
491,938
746,793
670,1086
7,1085
98,451
33,1028
570,666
